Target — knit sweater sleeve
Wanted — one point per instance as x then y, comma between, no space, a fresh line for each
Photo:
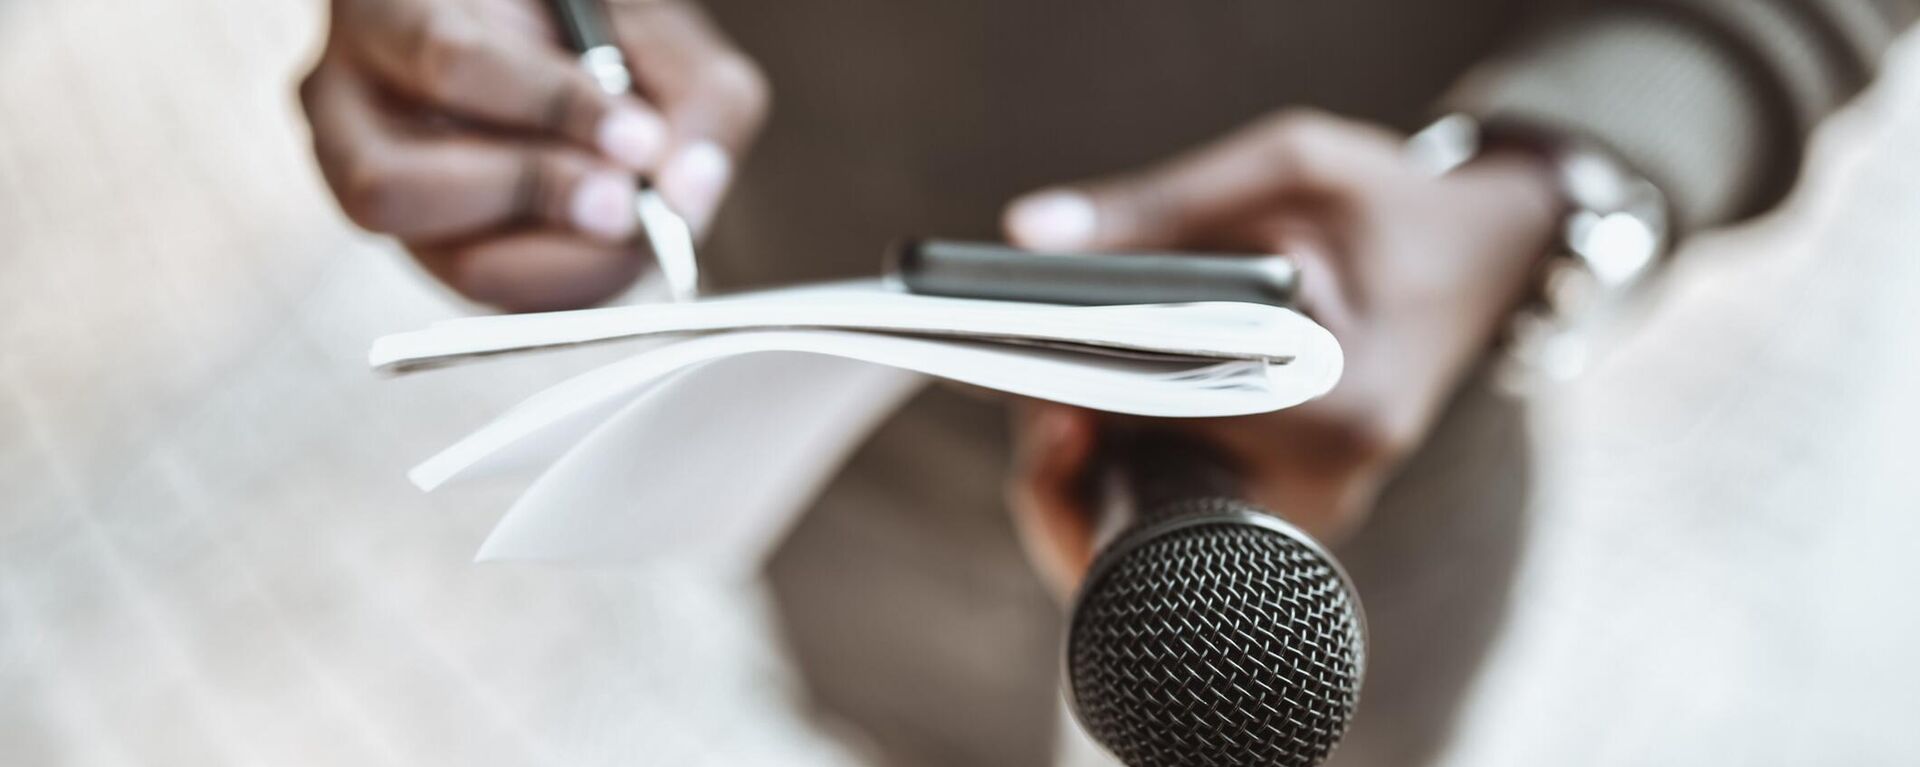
1711,99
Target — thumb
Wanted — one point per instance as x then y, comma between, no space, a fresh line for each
1168,205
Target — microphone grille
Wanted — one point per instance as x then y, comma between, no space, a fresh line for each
1217,641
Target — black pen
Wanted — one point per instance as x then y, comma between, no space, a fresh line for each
584,25
993,271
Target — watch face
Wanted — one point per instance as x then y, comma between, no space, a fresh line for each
1616,237
1617,248
1619,225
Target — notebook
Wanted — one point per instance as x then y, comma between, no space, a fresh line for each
733,411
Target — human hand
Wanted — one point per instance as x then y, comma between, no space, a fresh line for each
1412,273
466,130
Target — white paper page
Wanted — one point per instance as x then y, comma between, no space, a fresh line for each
1227,330
557,416
715,462
708,465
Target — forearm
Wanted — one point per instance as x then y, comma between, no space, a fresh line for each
1711,99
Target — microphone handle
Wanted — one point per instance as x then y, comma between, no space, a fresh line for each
1207,630
1148,477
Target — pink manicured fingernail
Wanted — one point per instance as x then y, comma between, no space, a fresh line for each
602,206
1053,220
694,180
632,136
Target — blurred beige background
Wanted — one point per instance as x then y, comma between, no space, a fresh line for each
209,554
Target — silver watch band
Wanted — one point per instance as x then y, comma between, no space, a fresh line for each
1615,237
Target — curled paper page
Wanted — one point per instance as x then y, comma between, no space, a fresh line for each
1223,330
1189,389
707,445
705,466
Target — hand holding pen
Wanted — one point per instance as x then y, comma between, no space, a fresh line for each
470,131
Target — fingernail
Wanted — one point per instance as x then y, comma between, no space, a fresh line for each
694,180
1054,220
602,206
632,136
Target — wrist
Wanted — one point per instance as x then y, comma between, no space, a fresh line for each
1525,196
1517,207
1530,179
1611,237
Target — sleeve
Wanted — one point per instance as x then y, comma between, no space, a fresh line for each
1710,99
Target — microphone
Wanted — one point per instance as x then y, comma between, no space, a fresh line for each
1208,631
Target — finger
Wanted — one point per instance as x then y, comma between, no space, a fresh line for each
346,130
530,271
1168,205
714,98
1054,446
430,190
440,53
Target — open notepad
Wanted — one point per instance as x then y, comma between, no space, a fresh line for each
709,438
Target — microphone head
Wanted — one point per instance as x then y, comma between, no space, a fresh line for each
1221,638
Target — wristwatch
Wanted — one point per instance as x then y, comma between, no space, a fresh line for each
1615,238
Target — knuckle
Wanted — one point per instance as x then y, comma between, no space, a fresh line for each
444,50
308,93
1304,129
1282,153
1297,140
737,80
575,107
366,195
1299,121
544,186
314,87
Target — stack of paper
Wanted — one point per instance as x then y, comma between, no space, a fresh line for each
708,441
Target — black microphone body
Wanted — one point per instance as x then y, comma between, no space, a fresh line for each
1208,631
